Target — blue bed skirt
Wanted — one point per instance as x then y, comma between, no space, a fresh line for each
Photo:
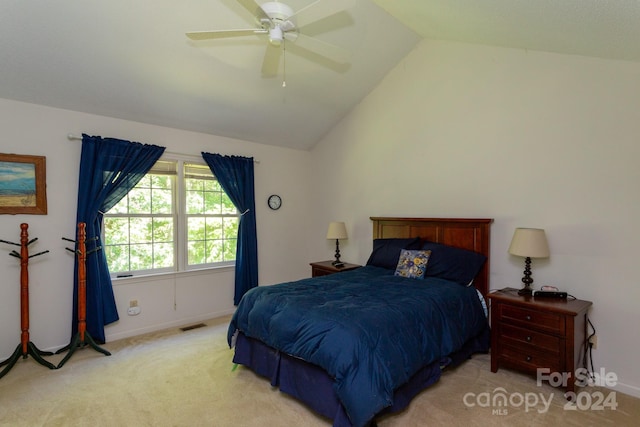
312,385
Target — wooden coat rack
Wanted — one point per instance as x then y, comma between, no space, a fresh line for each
26,347
82,338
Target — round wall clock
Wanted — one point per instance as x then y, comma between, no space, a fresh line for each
274,202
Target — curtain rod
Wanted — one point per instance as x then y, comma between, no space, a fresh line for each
72,137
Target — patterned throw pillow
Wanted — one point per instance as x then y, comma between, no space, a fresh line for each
412,263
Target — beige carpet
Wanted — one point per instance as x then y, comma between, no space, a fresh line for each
174,378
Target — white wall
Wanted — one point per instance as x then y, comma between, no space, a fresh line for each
527,138
167,300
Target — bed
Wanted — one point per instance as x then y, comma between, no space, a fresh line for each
362,343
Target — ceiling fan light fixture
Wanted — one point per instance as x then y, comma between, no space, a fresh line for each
275,36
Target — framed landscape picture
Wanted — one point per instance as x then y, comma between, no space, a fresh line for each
23,186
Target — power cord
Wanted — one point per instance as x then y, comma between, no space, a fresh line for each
588,353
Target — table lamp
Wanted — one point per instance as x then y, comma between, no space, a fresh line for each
337,230
529,243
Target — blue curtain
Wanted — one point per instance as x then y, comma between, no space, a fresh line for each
109,168
236,177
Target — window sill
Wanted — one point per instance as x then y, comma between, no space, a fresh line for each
142,278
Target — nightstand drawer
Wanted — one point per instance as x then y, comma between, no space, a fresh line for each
526,337
324,268
536,319
530,360
318,272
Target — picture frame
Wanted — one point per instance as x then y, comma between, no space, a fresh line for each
23,184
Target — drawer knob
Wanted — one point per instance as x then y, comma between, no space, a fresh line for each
529,358
527,317
529,339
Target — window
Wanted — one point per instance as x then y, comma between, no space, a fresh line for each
176,218
212,219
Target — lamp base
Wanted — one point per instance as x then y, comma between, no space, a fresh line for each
527,279
525,291
337,254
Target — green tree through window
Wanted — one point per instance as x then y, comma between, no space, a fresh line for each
141,233
212,220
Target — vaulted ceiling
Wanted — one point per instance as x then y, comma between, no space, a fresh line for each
132,60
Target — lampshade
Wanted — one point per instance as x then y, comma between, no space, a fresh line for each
529,242
337,230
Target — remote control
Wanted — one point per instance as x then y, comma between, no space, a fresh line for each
550,294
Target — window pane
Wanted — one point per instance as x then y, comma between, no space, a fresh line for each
116,231
197,253
231,227
196,228
163,255
194,184
227,205
140,230
161,181
195,203
140,201
215,251
145,182
212,203
230,249
121,207
141,257
117,258
163,230
212,239
161,202
212,185
214,228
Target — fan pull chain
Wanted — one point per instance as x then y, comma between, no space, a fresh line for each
284,63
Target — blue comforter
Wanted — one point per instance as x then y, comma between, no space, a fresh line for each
369,329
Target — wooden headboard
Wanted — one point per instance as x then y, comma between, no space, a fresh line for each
465,233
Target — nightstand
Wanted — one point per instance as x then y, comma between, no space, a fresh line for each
324,268
528,333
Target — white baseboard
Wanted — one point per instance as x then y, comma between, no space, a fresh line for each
627,389
160,326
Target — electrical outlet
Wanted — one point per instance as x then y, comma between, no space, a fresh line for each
133,311
133,303
594,342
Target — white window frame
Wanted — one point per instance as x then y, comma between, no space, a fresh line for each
180,242
182,227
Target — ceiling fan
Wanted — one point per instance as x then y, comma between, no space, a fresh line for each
280,23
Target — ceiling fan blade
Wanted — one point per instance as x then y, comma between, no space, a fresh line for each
253,8
320,9
208,35
271,61
330,51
